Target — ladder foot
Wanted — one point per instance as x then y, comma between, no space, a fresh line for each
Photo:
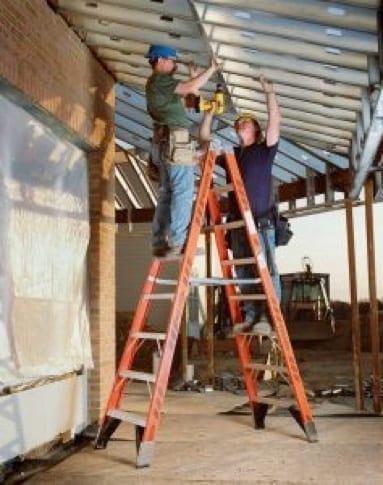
105,432
145,454
308,427
311,432
259,414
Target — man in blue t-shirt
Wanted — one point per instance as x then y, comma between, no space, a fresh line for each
255,156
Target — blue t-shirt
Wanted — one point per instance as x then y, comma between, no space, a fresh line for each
255,164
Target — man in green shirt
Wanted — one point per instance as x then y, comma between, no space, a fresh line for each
176,157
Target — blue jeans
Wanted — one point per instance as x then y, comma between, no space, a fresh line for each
175,201
241,249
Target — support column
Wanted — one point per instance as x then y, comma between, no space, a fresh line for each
355,321
184,344
374,321
209,310
101,270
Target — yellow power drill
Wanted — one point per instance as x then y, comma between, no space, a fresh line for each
201,105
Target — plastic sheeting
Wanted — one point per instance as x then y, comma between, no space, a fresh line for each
44,224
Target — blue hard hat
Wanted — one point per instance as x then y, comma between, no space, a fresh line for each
161,51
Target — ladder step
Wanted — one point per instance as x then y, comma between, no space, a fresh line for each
281,402
128,417
260,366
159,296
218,281
249,296
148,335
138,376
230,225
235,262
222,189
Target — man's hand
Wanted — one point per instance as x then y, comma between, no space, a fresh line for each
266,84
215,64
194,70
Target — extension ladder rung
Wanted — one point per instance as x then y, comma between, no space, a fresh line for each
138,375
236,262
159,296
128,417
249,297
148,335
259,366
223,189
281,402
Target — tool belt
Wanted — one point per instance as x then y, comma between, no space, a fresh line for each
172,145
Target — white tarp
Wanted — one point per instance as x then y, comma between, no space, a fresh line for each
44,224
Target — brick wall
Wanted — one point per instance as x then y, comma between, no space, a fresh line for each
47,69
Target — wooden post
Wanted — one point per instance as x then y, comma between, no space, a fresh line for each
184,344
355,322
209,310
374,321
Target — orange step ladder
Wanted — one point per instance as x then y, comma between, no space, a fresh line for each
146,425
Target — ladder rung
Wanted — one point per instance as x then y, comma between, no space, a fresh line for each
128,417
214,281
260,366
249,296
230,225
281,402
222,189
148,335
159,296
218,281
234,262
138,376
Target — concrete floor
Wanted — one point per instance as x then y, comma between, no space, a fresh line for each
196,444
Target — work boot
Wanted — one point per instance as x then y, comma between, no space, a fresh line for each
159,251
175,251
262,327
244,327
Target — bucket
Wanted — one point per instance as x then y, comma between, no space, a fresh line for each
189,372
155,362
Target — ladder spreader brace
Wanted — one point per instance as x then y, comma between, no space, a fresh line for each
146,425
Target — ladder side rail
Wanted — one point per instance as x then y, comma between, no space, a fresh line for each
179,300
272,300
234,307
132,342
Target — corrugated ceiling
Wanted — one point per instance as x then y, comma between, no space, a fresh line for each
322,56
